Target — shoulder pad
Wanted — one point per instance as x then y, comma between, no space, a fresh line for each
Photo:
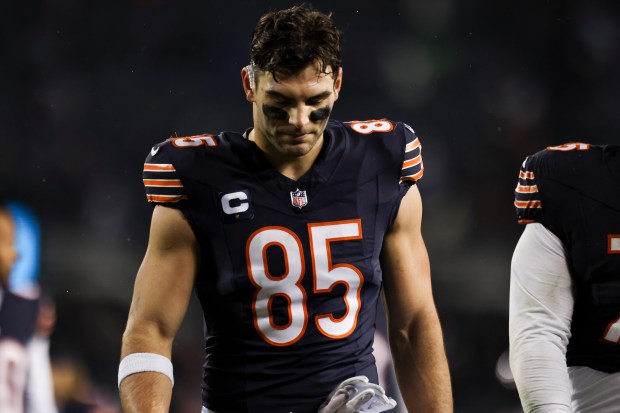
407,143
527,198
160,176
555,163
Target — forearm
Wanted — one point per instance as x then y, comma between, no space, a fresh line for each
147,391
142,336
161,295
415,333
541,305
538,339
421,366
538,355
541,376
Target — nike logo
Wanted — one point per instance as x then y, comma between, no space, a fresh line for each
154,150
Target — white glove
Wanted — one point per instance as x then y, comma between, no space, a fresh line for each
357,395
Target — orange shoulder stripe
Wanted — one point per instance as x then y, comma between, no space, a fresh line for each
164,167
163,182
526,189
412,162
165,198
412,145
528,204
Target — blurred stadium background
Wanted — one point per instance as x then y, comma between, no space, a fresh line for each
89,86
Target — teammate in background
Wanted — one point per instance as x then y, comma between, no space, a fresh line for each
290,232
25,375
565,281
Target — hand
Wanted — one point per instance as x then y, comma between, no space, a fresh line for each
357,395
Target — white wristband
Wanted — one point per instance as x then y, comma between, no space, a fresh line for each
141,362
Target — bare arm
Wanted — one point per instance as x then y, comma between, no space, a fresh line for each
161,295
415,333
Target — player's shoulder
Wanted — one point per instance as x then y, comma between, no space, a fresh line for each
180,150
173,160
545,175
385,132
178,146
384,126
563,161
386,142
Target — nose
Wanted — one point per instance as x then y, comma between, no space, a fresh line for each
299,116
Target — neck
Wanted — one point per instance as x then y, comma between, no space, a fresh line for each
294,169
291,166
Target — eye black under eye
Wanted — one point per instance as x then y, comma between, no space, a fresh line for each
320,114
274,113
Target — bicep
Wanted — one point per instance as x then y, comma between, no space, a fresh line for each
406,268
164,282
541,300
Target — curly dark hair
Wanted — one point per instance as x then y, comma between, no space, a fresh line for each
287,41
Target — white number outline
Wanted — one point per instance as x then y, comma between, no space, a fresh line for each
572,146
267,287
612,332
369,126
326,276
343,273
194,141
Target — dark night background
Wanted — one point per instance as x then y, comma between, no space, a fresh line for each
89,86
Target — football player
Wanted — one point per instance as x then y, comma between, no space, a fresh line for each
25,375
289,233
565,281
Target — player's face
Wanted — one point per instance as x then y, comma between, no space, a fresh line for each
290,114
8,255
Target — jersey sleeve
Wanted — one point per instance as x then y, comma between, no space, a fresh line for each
528,203
413,167
540,313
161,179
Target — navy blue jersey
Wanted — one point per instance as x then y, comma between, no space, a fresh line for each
290,275
574,191
17,317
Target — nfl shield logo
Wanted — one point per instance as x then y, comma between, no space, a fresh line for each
299,198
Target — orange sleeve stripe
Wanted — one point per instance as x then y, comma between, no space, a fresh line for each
526,221
159,167
165,198
412,162
412,145
526,175
526,189
163,182
528,204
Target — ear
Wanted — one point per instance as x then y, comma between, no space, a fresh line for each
337,84
247,88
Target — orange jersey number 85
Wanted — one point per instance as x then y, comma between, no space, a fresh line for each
288,286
